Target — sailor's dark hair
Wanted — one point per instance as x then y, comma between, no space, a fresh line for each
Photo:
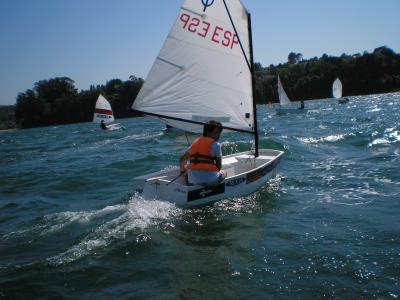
210,126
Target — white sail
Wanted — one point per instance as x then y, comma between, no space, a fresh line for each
283,98
337,88
103,111
201,72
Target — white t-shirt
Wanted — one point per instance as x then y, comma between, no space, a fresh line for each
200,176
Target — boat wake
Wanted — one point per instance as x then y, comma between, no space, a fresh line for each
136,216
97,229
316,140
390,135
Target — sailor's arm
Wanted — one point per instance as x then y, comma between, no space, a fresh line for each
218,162
183,160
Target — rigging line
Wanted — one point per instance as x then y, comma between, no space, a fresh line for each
187,139
240,42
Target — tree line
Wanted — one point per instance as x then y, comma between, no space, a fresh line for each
7,117
57,101
370,73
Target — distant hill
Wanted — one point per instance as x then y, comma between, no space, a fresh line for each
370,73
57,101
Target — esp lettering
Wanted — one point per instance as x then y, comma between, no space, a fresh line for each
206,30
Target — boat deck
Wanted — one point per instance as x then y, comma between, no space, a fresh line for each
233,165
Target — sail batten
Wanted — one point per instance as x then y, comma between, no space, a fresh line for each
201,69
202,15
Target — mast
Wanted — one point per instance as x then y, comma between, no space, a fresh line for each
250,64
253,87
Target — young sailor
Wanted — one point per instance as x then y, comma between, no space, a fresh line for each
103,125
202,161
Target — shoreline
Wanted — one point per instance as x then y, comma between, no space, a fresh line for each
10,129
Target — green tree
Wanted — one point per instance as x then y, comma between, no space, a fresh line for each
294,58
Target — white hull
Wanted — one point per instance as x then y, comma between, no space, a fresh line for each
343,100
115,126
245,175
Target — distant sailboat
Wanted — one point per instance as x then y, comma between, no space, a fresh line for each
103,113
285,102
204,72
283,97
337,88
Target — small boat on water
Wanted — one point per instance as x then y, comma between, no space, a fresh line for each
245,175
204,72
337,88
103,114
285,105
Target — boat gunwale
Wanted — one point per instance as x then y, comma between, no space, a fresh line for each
197,186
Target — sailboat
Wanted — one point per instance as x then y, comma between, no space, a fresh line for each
284,101
203,72
337,91
103,112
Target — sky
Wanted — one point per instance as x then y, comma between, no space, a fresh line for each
94,41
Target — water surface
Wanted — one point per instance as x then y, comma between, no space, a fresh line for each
326,227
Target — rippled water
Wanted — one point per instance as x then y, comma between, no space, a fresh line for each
327,227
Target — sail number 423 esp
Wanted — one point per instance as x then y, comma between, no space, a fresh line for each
216,34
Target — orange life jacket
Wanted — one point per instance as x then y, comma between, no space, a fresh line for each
200,155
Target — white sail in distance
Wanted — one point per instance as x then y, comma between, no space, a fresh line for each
337,88
201,72
283,98
103,111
